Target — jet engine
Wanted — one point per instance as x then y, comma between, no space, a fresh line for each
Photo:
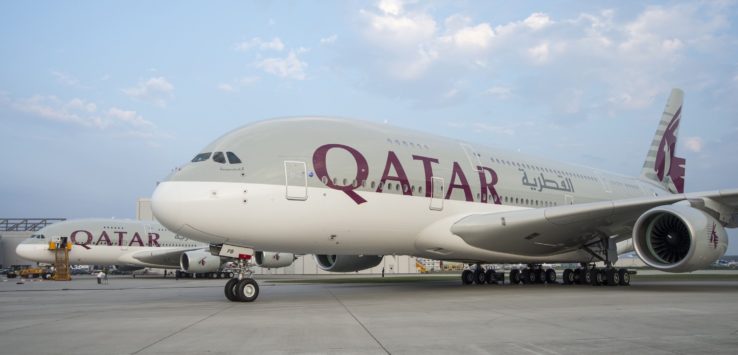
679,238
273,260
199,261
347,263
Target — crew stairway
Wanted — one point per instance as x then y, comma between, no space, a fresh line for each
61,250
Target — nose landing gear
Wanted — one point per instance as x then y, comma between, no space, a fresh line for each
242,288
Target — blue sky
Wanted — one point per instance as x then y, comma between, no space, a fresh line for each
100,100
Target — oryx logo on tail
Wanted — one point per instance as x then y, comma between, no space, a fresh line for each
667,163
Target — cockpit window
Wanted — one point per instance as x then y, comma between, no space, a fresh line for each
201,157
218,157
232,158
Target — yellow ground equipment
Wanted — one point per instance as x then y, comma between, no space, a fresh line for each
35,272
421,268
61,250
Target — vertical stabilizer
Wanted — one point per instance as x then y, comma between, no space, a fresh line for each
662,165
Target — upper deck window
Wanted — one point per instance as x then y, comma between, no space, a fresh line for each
201,157
218,157
232,158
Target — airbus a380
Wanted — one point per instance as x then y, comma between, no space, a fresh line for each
352,191
132,243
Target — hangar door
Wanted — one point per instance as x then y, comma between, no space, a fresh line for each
295,173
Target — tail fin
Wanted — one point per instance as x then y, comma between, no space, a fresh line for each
662,165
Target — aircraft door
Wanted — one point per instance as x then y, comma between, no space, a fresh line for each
436,202
295,173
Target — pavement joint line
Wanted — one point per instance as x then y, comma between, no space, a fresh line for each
183,329
360,323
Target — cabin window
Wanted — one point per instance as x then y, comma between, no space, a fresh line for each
420,189
201,157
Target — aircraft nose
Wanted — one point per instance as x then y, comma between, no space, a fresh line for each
25,251
167,205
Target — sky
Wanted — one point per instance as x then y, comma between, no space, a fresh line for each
100,100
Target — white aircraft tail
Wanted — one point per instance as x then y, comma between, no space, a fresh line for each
662,165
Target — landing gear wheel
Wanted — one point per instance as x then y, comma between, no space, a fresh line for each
467,277
247,290
539,276
579,276
491,277
514,276
613,277
550,276
230,290
587,276
568,277
596,277
479,276
624,277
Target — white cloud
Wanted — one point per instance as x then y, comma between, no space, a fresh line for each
329,40
79,112
499,92
694,144
155,90
290,67
391,7
537,21
67,79
226,87
237,83
540,53
129,118
275,44
471,37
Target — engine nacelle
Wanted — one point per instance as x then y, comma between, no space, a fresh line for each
347,263
273,260
679,238
199,261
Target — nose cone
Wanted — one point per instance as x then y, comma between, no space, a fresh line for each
27,251
167,205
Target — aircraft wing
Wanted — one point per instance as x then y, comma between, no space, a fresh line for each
546,231
161,257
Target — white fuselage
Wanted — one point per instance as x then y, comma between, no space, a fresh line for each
109,242
314,197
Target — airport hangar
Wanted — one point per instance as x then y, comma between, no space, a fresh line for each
14,230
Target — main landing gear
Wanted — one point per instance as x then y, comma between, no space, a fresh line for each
591,275
536,274
242,288
480,276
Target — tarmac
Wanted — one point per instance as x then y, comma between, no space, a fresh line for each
186,316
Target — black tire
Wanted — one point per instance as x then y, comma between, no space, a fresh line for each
230,290
624,277
467,277
613,277
490,276
579,276
568,276
596,276
480,276
539,276
514,276
587,276
550,276
247,290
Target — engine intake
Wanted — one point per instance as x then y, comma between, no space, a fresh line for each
270,259
679,238
346,263
199,261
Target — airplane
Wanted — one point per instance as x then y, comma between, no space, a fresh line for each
133,243
351,191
